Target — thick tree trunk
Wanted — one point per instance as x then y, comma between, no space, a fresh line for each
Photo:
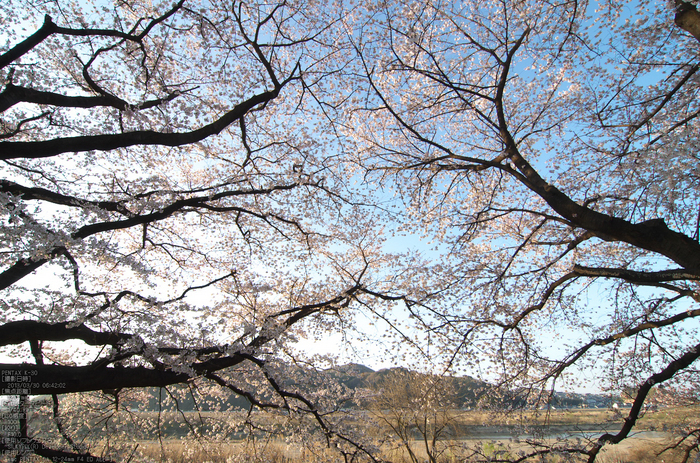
688,18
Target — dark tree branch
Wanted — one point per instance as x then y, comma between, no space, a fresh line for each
25,266
646,326
634,276
14,94
42,194
58,422
49,27
667,373
21,123
652,235
107,142
64,379
21,331
669,96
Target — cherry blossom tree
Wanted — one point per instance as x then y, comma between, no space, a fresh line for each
171,213
551,150
179,204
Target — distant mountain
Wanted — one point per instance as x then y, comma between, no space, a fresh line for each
466,392
353,369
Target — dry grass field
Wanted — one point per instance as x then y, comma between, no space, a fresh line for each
478,436
634,450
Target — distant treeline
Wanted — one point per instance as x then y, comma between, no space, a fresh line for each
467,393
